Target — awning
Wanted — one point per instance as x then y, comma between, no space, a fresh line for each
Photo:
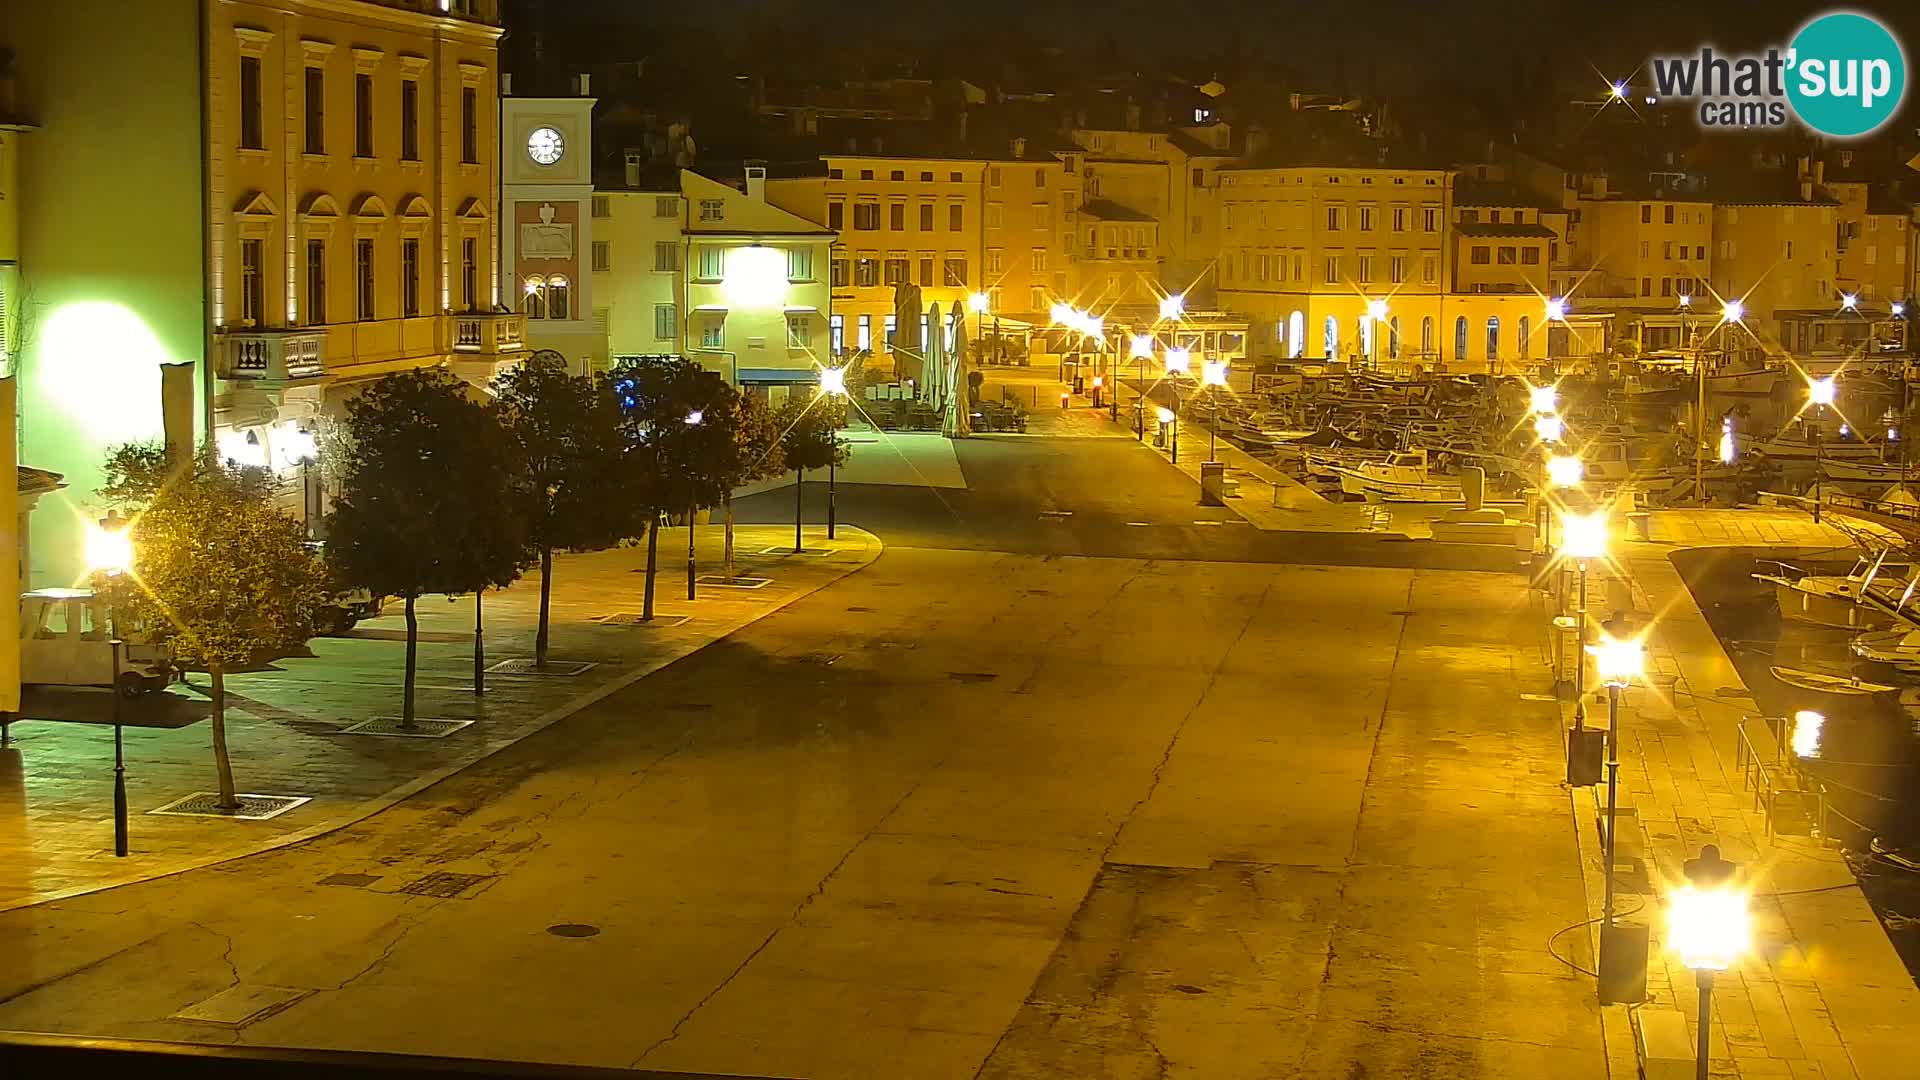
721,308
802,309
787,376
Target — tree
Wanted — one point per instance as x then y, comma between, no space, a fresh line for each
753,455
810,439
218,573
426,501
564,431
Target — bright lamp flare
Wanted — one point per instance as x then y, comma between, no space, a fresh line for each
1214,373
1565,471
1141,347
1061,314
1617,90
1556,308
1179,361
1166,416
1549,428
1849,301
833,381
1899,310
1686,300
978,303
1543,399
1709,928
694,418
110,550
1618,662
1583,536
1172,307
1820,391
1729,448
1377,310
1732,311
1806,733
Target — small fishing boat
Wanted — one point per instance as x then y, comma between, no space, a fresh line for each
1324,461
1835,601
1403,477
1796,442
1898,649
1878,472
1824,683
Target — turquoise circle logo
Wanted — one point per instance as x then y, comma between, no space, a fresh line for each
1846,76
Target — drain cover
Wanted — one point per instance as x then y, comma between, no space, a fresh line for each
423,727
572,930
238,1006
352,881
252,807
523,665
444,885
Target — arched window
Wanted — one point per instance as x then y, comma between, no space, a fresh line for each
1493,337
536,302
1333,338
1280,332
1297,333
1526,329
1393,338
1426,335
557,297
1460,338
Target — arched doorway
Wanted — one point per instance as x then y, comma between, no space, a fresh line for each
1297,334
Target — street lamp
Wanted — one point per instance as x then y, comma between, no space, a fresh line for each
833,383
978,303
1557,310
1618,663
1550,429
1543,400
693,420
1376,315
1733,311
1172,307
1178,362
109,550
1565,471
1709,926
1583,537
1213,375
1820,394
1171,421
1849,302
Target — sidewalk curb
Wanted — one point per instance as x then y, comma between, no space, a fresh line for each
369,807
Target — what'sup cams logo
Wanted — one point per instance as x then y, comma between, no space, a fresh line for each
1843,76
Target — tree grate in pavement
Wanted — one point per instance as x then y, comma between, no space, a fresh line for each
351,881
445,885
524,665
790,551
423,727
721,581
972,676
638,620
252,807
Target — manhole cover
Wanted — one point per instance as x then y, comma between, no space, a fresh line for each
573,930
252,807
972,676
523,665
638,620
238,1006
351,881
423,727
721,581
443,884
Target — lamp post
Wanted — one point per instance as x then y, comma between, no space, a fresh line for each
693,420
1179,362
1618,663
1213,374
1709,926
1171,421
1139,348
833,383
978,303
1376,315
1582,537
1820,393
110,551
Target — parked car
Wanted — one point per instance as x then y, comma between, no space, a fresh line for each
65,640
346,606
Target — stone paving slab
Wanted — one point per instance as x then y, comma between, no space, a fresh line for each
285,724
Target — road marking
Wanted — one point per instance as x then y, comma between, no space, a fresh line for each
1538,697
1139,524
1056,513
1209,523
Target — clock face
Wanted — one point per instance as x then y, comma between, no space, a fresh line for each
545,146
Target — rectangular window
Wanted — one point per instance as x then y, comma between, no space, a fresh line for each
666,206
1399,219
409,277
1430,218
897,216
836,216
799,332
926,178
800,264
994,215
1530,256
1196,224
863,334
363,280
1333,219
666,322
1366,219
1669,210
409,120
1040,177
1646,214
1366,268
954,216
993,176
1469,217
897,175
1429,269
1508,255
842,272
837,334
1038,263
1037,299
896,271
713,335
252,283
866,273
713,210
1482,255
250,128
1494,216
926,271
1397,269
363,115
1646,285
1332,269
469,125
956,272
602,255
470,273
866,216
316,282
602,206
994,264
666,255
713,262
316,110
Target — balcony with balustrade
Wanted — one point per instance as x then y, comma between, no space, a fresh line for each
271,354
492,333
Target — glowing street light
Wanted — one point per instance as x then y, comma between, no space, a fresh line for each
1899,310
1565,470
1820,391
1806,733
1733,311
1686,300
1173,307
1214,373
1708,925
109,551
978,303
1583,536
1557,309
1820,394
833,383
1849,302
1140,347
1729,449
1543,399
1061,314
1179,361
1168,423
1618,663
1549,428
1377,310
694,418
1617,91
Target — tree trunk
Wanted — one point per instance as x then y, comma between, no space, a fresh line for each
653,544
546,600
221,764
413,639
727,502
799,488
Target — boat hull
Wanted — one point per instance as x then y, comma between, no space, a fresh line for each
1819,609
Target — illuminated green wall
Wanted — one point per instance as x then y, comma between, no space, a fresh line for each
111,249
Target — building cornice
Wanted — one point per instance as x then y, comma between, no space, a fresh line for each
447,26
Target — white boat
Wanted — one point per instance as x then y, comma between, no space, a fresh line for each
1835,601
1795,443
1322,461
1879,472
1760,382
1898,648
1402,477
1822,682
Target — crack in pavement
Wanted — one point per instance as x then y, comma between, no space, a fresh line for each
225,957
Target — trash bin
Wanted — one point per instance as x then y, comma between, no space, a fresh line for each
1213,476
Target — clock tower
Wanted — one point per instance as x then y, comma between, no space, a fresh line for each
546,210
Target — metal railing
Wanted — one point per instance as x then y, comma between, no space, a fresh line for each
1767,784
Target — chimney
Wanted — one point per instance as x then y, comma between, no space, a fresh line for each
634,158
1819,173
1133,116
1019,147
506,84
583,85
757,181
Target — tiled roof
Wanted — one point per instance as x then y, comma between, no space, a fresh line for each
1108,210
1468,191
1502,229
